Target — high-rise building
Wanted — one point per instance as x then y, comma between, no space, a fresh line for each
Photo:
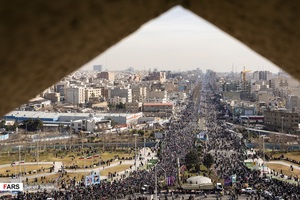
75,95
92,92
121,92
97,68
262,75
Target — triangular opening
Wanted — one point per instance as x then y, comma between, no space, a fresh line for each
180,40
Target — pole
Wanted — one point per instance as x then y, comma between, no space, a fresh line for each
178,171
282,124
155,190
20,163
135,152
37,152
144,146
263,149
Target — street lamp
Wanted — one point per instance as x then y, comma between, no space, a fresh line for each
155,190
135,154
20,163
282,124
155,174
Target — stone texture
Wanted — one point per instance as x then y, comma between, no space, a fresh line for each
43,41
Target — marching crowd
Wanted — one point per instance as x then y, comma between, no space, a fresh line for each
226,147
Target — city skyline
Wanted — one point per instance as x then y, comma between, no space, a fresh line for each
179,40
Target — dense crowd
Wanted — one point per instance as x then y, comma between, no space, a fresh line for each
229,152
227,148
179,139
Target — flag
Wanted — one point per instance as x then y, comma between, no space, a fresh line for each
96,155
264,169
88,157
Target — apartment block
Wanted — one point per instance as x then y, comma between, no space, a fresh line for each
106,75
75,95
92,92
158,109
121,92
281,120
134,107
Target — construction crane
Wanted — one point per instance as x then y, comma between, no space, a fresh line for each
244,76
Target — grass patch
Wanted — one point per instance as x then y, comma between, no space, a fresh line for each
285,169
152,161
117,169
66,157
78,175
24,168
295,155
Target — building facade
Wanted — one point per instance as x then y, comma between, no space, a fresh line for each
281,120
52,96
106,75
75,95
158,109
92,92
120,92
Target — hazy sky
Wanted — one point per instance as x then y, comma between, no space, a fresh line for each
180,40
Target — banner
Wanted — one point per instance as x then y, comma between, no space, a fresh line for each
96,179
89,180
92,179
227,182
264,169
233,178
202,136
171,180
255,165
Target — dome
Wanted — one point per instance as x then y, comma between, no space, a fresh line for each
198,180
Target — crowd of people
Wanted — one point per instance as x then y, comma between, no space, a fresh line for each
227,148
229,152
179,139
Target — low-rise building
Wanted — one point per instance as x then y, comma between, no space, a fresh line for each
133,107
52,96
281,120
162,110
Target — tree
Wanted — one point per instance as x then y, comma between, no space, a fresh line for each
208,160
192,159
32,125
2,124
120,106
141,132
